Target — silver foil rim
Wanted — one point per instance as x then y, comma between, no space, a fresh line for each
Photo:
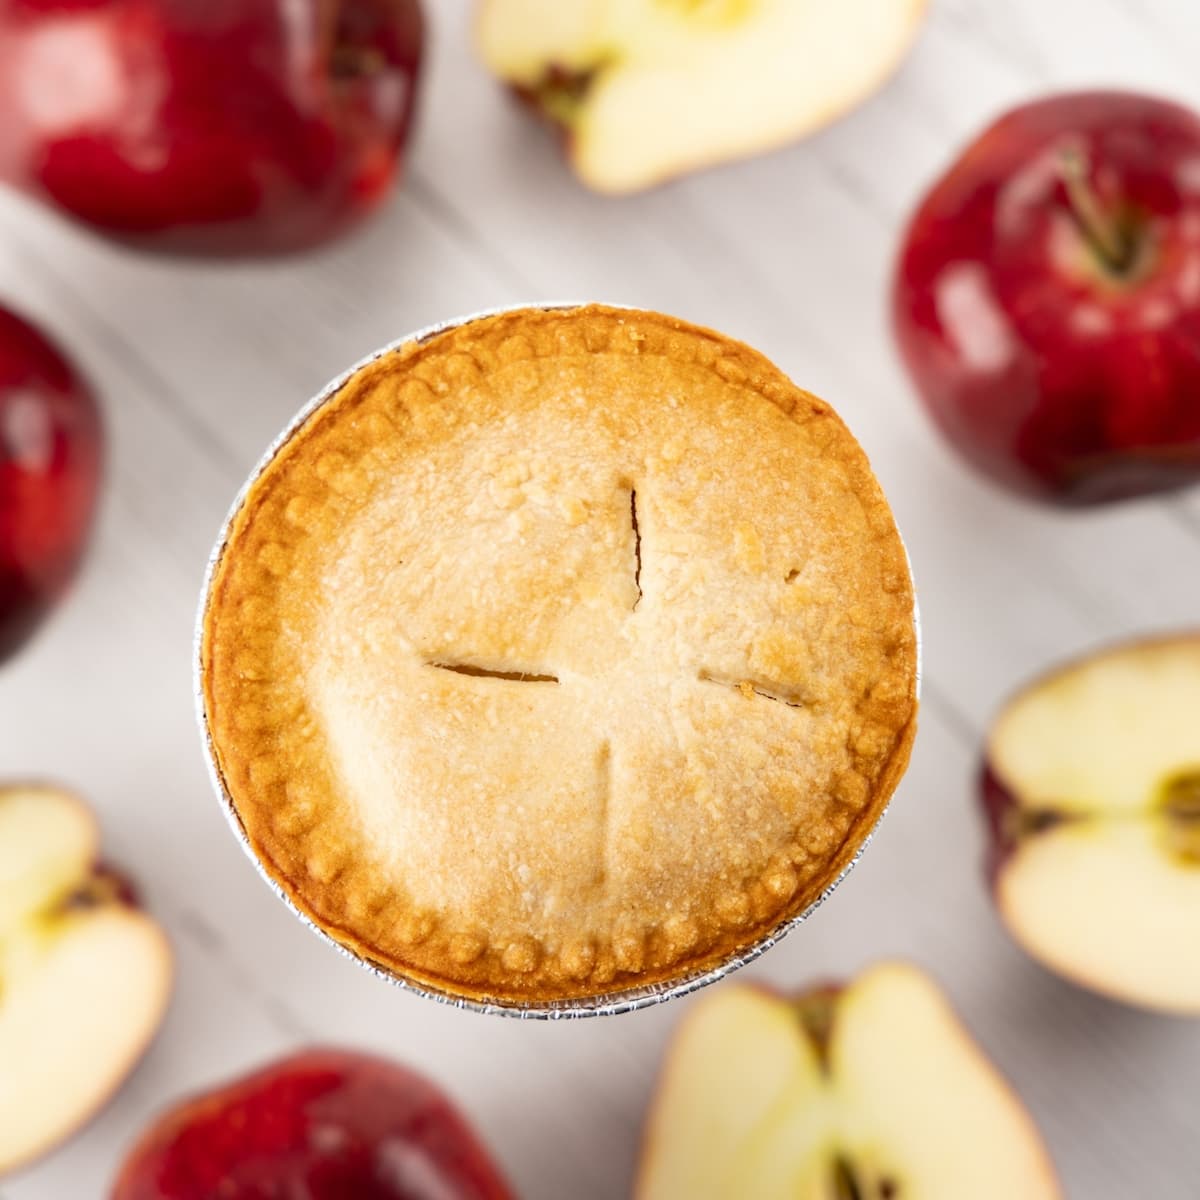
608,1004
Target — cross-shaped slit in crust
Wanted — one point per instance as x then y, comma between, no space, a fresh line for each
637,546
603,814
460,668
754,687
747,687
522,676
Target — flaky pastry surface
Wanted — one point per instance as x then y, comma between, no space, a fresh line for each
565,652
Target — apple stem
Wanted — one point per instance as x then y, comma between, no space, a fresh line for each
349,61
816,1013
102,888
560,93
845,1182
1103,232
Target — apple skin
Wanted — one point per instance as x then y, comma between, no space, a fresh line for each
999,813
1064,371
325,1124
1006,827
51,451
228,127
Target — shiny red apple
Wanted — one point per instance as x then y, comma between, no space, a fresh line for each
229,127
1047,298
321,1125
50,459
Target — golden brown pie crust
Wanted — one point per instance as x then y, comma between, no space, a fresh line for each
564,652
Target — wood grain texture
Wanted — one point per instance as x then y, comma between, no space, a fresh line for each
200,366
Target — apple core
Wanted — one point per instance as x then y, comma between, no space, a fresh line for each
1181,808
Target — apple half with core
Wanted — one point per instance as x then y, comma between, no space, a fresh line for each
322,1124
648,89
1047,298
1091,789
872,1091
84,975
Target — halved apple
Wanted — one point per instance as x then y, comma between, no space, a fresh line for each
1092,791
84,976
649,89
870,1092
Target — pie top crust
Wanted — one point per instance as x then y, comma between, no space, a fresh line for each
564,652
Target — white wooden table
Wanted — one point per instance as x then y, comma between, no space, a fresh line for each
200,365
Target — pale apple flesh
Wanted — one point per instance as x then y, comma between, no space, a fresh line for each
84,977
650,89
875,1092
1093,793
48,842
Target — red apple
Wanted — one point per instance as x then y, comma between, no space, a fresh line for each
323,1124
1091,791
50,458
1047,298
872,1091
222,127
84,974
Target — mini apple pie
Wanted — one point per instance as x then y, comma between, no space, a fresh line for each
561,653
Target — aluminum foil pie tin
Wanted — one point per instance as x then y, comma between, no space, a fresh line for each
609,1004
